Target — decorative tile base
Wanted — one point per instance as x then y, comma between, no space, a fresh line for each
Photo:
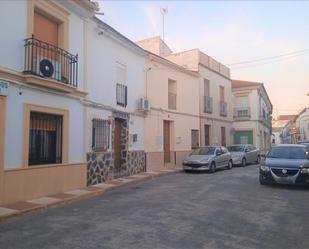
100,166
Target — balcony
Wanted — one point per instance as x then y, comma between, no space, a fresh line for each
223,108
172,101
242,113
208,104
266,120
50,62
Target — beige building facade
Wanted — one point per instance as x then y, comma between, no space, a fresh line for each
172,124
252,114
215,95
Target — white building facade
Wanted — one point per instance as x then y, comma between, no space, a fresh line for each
115,124
42,83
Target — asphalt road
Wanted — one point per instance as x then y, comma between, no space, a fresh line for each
228,209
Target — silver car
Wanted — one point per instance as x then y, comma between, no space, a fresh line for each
242,154
208,158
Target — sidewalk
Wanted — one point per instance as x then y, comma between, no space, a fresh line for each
23,207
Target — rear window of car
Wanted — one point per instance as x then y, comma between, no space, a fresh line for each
288,153
236,148
204,151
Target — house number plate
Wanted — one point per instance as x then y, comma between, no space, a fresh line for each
4,88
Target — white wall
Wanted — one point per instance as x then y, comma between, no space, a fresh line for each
103,54
136,126
13,26
14,123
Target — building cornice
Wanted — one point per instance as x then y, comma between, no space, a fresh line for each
168,63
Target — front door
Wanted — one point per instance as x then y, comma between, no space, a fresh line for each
243,137
207,135
166,141
223,136
117,146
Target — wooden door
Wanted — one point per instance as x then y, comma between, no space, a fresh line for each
207,135
117,144
223,136
166,142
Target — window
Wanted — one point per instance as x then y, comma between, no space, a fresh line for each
206,88
172,94
121,88
222,97
100,134
45,138
243,113
121,95
224,150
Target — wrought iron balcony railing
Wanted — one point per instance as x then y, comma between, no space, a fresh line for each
208,104
242,113
48,61
223,108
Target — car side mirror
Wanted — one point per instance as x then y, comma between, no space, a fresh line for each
247,150
218,153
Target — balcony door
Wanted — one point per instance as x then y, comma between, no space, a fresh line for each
207,135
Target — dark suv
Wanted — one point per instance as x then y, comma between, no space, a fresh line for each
286,164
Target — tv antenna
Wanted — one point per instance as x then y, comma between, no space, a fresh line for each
164,11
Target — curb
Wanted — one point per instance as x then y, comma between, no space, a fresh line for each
92,191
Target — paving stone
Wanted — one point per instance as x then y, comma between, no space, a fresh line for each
21,205
78,192
6,211
45,200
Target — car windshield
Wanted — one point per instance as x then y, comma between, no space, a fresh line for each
204,151
236,148
288,153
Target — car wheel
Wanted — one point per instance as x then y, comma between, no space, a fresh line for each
262,181
230,165
244,162
212,168
258,160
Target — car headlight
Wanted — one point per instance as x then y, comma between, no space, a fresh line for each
304,170
264,168
205,161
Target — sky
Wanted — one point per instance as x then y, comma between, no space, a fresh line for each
231,32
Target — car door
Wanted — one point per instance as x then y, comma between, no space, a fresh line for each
247,154
225,156
255,153
219,157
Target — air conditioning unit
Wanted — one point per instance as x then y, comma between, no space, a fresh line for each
46,67
143,105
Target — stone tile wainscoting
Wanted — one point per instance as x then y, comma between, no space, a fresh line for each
100,166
